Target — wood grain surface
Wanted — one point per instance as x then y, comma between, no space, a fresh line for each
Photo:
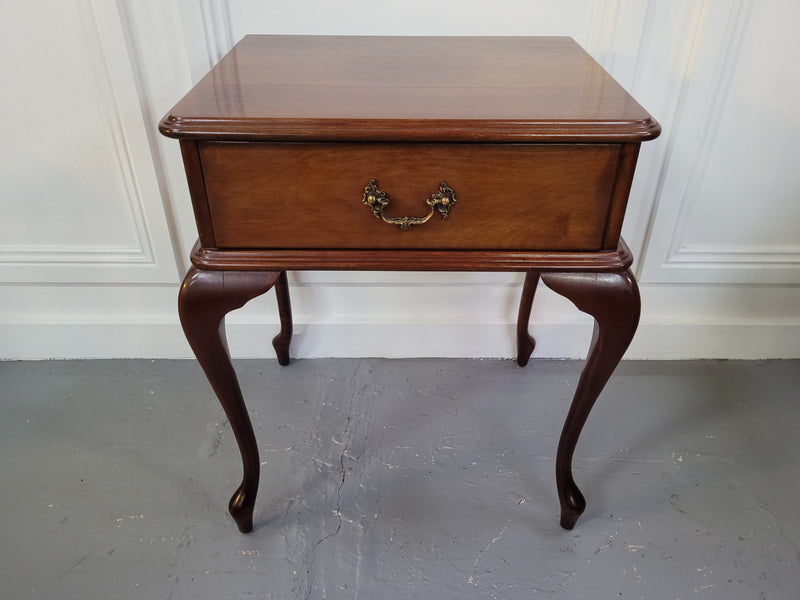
509,196
376,88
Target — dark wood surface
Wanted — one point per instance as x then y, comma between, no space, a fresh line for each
204,300
623,179
197,190
613,300
525,341
509,196
475,89
618,259
282,341
283,135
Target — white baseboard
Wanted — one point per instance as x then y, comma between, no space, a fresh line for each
653,341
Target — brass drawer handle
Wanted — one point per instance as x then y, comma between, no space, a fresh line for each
376,199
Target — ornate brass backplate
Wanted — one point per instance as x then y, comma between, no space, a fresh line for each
376,199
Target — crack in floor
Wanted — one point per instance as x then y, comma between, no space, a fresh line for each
346,444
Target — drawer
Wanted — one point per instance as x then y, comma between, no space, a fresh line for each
507,196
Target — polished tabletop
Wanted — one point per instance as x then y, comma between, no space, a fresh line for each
371,88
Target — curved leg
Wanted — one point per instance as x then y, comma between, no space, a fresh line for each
204,300
613,300
281,341
525,341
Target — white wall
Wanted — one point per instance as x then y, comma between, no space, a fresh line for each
96,225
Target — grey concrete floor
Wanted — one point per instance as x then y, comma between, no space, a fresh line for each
399,479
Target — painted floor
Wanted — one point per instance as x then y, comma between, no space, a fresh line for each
394,479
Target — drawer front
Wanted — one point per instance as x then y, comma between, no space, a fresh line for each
507,196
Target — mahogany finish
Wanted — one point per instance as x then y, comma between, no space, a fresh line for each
412,260
204,300
613,300
281,341
372,88
510,196
525,341
537,142
197,190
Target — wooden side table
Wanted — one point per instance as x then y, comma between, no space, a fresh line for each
409,153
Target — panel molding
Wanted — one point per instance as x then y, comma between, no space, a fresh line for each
84,254
604,30
651,176
149,258
218,33
719,88
621,29
710,71
146,256
646,33
712,256
73,254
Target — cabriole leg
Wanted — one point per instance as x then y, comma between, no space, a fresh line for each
613,300
525,341
281,341
204,300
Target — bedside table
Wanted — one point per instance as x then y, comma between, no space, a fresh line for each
409,153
